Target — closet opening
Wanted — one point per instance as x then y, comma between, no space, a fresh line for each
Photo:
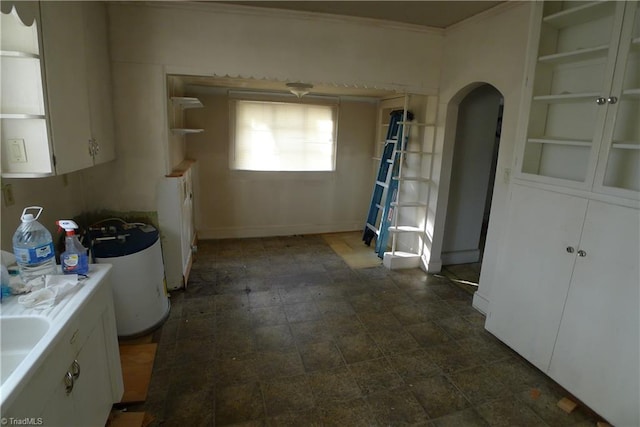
473,169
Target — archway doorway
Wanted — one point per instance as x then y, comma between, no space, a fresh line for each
473,167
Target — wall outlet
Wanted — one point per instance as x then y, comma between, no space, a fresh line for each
7,195
17,152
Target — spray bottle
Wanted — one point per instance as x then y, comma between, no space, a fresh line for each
74,259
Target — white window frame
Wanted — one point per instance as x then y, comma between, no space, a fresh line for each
235,99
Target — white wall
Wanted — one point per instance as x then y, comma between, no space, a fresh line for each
149,40
471,170
249,203
489,48
61,197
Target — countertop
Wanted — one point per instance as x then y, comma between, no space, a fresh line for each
59,316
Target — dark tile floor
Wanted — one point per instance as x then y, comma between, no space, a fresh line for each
281,332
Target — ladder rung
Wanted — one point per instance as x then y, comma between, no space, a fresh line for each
382,184
405,229
416,124
411,178
409,204
378,205
375,230
414,152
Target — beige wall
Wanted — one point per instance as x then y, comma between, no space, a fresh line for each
61,197
489,48
149,40
247,203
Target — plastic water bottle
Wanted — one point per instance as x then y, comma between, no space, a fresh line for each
33,247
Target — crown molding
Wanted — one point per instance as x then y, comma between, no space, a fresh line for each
234,9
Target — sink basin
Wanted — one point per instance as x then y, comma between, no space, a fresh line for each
18,335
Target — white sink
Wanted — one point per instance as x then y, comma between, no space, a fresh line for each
18,335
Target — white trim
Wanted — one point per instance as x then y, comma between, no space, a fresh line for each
233,9
480,303
275,230
460,257
431,266
486,14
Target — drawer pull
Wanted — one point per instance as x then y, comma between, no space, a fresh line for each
75,369
68,382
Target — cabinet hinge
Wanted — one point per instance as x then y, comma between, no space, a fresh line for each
54,160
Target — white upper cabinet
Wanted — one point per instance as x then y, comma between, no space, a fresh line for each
60,60
583,129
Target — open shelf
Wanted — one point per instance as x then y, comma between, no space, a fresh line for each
186,102
580,14
576,55
18,54
559,141
567,97
182,131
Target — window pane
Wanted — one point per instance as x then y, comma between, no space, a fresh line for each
278,136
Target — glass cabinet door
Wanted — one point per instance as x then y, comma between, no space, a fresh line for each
575,66
619,168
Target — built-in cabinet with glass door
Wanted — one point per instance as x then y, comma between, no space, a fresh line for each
583,129
566,294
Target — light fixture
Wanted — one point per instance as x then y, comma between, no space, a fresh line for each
299,89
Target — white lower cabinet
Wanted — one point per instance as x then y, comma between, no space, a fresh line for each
597,352
567,296
81,377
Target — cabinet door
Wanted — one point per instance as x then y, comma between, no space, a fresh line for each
66,84
92,389
187,222
596,356
534,271
573,71
619,167
99,82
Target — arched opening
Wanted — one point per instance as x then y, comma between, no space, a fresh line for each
473,167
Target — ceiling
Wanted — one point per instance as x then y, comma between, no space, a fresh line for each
438,14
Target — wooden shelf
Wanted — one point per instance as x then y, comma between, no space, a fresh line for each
557,141
626,145
21,116
409,204
567,97
411,178
575,55
18,54
186,102
179,131
405,229
632,93
580,14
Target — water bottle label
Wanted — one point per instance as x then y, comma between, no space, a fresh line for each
34,255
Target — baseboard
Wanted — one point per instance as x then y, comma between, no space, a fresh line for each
480,303
275,230
431,266
460,257
400,260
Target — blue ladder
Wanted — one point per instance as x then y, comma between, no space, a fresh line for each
386,180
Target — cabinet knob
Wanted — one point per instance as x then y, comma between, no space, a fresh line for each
570,249
601,101
582,253
612,100
68,382
75,369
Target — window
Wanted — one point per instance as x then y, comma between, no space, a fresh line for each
282,136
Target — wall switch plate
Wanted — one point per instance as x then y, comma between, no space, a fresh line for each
17,151
7,195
